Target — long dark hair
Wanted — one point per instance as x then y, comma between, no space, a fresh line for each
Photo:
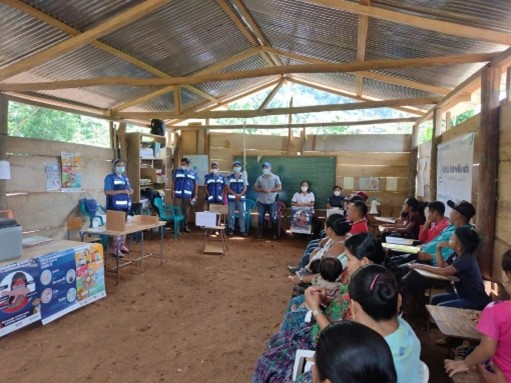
416,206
376,291
364,245
349,352
506,262
340,226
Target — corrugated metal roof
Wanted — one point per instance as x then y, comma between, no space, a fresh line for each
190,35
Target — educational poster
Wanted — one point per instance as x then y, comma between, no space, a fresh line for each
301,219
52,177
454,170
199,164
391,184
369,183
90,274
71,178
20,294
348,183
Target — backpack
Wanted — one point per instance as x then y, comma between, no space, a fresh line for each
91,206
157,127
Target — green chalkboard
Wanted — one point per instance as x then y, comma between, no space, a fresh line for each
318,171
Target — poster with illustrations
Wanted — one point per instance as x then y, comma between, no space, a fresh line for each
52,177
71,177
301,219
90,274
20,303
369,183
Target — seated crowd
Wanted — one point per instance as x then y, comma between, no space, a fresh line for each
349,294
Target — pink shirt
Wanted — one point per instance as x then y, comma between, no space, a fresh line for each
495,323
434,230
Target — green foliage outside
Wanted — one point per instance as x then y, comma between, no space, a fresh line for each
47,124
306,96
426,129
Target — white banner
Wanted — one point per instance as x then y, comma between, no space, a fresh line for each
454,170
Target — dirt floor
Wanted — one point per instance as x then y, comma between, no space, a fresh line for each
196,318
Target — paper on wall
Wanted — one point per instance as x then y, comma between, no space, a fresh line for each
348,183
391,183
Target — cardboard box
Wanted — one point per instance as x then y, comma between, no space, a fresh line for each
205,219
115,220
145,219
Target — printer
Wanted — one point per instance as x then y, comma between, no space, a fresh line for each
10,239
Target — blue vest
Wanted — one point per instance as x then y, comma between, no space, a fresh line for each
184,183
120,202
215,184
237,185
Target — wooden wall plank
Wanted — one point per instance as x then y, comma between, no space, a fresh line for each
371,171
505,117
499,247
35,147
505,145
361,143
402,184
370,158
235,140
469,126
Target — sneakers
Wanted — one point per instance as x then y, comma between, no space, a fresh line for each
244,234
292,269
187,230
230,233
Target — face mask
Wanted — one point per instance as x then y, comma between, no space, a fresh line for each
337,193
304,188
266,171
237,169
119,169
183,167
214,171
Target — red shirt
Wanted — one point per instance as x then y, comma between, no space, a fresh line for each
359,227
434,230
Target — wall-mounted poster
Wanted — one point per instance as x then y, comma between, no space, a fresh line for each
71,177
301,219
19,295
369,183
52,177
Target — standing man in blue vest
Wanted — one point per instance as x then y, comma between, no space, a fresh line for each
215,185
267,186
236,190
185,189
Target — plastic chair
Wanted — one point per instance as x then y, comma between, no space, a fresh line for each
424,371
280,208
85,210
169,213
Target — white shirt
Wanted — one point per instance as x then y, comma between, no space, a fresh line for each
303,198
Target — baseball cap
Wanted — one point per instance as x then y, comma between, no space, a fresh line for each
236,163
266,165
214,164
463,207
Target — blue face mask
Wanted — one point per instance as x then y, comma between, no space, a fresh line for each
183,167
119,169
266,171
237,169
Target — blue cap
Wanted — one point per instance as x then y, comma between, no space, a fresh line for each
236,163
266,165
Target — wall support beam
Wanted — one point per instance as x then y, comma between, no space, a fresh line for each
488,168
4,107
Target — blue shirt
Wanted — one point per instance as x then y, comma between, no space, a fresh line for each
445,235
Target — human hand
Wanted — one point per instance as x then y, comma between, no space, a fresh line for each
312,298
442,244
475,317
452,367
238,197
492,377
294,278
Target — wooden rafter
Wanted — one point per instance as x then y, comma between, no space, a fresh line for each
280,111
177,101
75,42
98,44
445,27
254,27
363,29
282,70
272,94
348,94
373,75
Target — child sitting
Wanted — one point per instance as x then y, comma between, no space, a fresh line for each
328,279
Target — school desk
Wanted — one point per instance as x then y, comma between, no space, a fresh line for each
402,248
454,322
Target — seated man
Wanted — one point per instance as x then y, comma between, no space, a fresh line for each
435,222
357,212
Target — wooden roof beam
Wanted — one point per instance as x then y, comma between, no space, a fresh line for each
363,29
373,75
280,111
444,27
272,94
348,94
98,44
73,43
283,70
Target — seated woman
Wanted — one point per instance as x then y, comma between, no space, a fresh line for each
276,363
336,200
349,352
470,293
303,198
409,227
495,327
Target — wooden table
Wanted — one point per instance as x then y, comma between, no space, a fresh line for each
428,274
43,249
385,219
131,228
454,322
402,248
208,248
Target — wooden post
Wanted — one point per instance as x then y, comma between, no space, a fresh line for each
289,130
412,164
111,129
488,168
447,121
435,140
4,108
508,84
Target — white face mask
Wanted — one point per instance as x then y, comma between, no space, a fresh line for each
119,169
183,167
237,169
337,193
214,171
304,188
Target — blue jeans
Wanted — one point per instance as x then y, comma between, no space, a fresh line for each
238,206
262,209
453,300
